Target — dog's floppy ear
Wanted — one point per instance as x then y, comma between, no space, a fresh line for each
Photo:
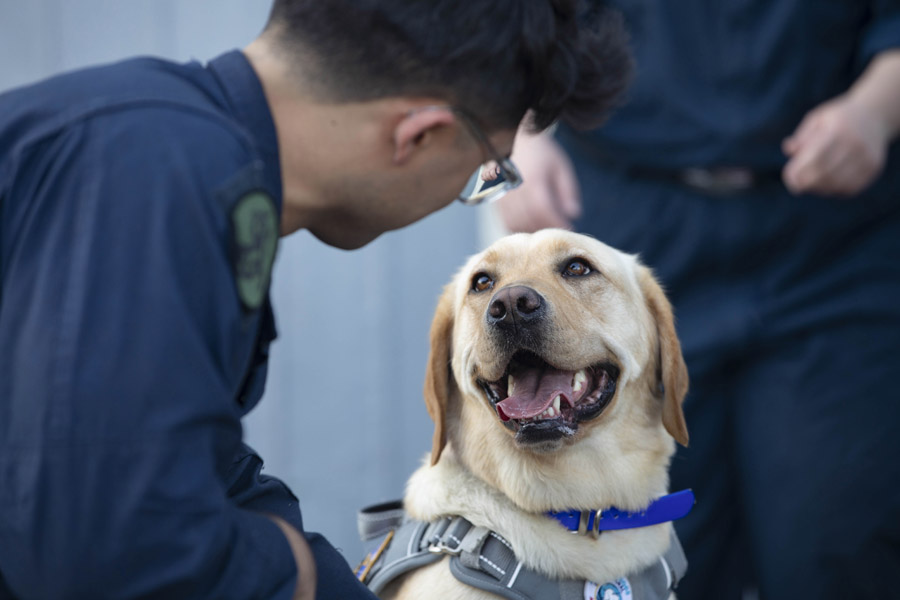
437,372
673,374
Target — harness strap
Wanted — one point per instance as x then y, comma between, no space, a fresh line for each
493,567
395,545
485,560
375,521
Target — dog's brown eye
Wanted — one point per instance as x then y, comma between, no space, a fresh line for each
577,268
481,282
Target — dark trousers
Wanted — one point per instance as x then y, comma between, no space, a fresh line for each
788,310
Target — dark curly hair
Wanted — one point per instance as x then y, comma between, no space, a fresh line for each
496,59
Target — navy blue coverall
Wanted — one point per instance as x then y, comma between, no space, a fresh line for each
134,331
788,308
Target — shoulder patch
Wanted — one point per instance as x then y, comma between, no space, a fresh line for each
254,221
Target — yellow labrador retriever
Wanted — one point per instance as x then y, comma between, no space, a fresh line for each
555,383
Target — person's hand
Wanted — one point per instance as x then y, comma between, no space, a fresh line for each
306,564
490,171
839,149
549,194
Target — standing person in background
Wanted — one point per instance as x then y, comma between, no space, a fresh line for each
140,207
752,167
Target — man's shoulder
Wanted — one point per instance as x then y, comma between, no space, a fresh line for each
125,82
138,94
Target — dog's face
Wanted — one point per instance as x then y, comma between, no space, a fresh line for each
546,342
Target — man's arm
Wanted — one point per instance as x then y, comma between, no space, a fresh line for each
878,90
122,347
249,489
306,564
840,147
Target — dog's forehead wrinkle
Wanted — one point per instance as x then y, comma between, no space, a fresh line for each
557,243
508,253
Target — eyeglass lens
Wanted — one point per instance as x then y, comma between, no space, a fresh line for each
478,187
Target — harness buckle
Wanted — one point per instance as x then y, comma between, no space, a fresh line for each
438,542
441,548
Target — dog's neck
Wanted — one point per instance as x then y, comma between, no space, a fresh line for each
540,542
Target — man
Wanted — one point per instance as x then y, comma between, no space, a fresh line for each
141,204
753,168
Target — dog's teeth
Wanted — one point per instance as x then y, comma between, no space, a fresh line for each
578,380
509,386
552,410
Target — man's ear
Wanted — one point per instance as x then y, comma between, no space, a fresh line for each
415,128
437,372
672,371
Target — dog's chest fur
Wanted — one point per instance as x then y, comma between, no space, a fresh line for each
541,543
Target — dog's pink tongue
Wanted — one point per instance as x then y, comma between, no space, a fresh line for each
534,390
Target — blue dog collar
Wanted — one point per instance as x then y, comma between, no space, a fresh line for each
663,509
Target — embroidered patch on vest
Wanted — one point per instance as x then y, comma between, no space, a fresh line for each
254,220
620,589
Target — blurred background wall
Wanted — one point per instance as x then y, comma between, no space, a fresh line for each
342,420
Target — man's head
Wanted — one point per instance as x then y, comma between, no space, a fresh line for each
494,59
480,65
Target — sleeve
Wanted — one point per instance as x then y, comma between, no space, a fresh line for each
883,30
255,491
251,490
121,350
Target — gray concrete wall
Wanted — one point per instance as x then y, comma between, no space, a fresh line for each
342,421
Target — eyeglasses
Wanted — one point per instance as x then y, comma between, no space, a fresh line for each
484,185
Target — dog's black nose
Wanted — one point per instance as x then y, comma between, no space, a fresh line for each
516,304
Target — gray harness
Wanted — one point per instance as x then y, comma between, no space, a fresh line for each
396,544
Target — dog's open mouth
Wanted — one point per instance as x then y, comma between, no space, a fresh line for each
542,403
